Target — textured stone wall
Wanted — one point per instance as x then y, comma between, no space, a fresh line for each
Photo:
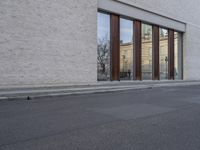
53,42
44,42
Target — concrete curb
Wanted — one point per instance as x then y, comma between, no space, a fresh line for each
28,97
33,94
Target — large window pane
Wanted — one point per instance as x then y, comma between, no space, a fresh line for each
163,54
103,50
178,55
146,52
126,49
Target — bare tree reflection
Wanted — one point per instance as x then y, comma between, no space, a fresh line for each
103,58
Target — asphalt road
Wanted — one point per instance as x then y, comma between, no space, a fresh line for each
152,119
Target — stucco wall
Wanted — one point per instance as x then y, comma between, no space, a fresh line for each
188,12
47,42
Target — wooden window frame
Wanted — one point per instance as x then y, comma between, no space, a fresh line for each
156,53
115,47
171,54
137,50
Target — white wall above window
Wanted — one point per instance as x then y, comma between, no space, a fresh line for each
125,8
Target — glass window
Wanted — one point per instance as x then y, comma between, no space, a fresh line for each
103,50
146,52
178,55
126,49
163,54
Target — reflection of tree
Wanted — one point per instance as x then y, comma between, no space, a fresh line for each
162,34
103,57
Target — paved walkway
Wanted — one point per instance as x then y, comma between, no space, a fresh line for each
14,93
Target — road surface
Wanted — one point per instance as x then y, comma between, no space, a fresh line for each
152,119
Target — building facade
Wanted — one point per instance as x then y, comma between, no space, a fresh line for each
67,42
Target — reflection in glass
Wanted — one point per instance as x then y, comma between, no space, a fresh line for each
163,54
126,49
178,55
103,50
146,52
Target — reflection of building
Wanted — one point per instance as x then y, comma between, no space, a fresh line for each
163,57
126,57
147,55
178,60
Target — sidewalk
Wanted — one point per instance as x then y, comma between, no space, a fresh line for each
14,93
